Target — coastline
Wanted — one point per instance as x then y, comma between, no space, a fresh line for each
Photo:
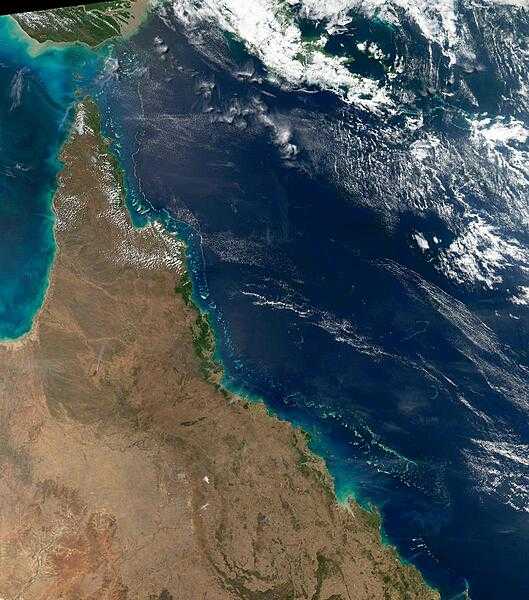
204,335
29,335
214,370
96,379
19,44
35,49
40,34
347,499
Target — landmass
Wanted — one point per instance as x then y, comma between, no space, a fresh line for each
126,471
91,24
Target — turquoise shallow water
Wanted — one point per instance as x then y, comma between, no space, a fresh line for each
338,321
324,305
38,87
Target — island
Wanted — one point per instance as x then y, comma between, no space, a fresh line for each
91,24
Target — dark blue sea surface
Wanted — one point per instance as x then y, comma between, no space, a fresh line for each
37,91
412,383
359,273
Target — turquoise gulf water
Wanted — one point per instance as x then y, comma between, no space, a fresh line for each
38,87
414,389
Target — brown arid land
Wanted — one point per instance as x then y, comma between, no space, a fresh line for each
125,472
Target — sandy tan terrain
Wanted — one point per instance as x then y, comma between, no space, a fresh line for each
124,473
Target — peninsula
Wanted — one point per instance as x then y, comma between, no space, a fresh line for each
126,473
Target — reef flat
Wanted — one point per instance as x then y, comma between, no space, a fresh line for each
125,473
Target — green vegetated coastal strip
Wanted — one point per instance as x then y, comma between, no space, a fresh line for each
93,25
90,24
407,583
203,336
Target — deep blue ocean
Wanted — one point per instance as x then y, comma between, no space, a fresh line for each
412,383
